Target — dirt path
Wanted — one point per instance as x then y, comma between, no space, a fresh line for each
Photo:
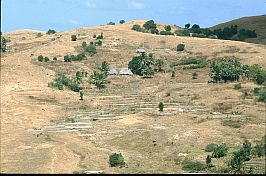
21,80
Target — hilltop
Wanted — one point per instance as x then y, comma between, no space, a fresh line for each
256,23
46,130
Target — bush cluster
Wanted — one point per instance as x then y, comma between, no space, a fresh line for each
62,80
43,59
71,58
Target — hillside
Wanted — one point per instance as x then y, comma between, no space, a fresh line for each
256,23
45,130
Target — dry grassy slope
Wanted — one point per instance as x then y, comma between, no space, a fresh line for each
27,103
257,23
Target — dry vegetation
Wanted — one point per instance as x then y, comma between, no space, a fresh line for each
44,130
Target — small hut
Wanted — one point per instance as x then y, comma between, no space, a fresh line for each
112,71
125,71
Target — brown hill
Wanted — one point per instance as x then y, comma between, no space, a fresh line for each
45,130
257,23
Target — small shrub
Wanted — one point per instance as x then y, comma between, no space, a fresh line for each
161,106
208,160
99,36
73,38
220,151
173,74
46,59
136,27
40,58
94,36
154,31
84,44
67,58
231,123
167,28
122,21
91,49
55,58
210,147
193,166
50,31
237,86
116,160
166,33
180,47
194,75
168,94
259,148
111,23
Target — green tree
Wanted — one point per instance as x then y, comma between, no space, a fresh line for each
3,44
105,68
79,77
136,27
111,23
141,65
187,26
73,38
40,58
173,74
51,31
150,25
99,79
84,44
116,160
91,49
122,21
161,106
81,94
220,151
180,47
168,28
208,160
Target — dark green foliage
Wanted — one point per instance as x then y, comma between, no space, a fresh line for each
173,74
50,31
180,47
196,29
168,94
67,58
226,70
161,106
259,148
257,74
193,63
231,123
210,147
147,72
61,80
40,58
193,166
166,33
262,95
220,151
105,67
136,27
55,58
100,36
78,77
185,32
187,26
122,21
99,43
73,38
81,94
168,28
46,59
154,31
84,44
116,160
237,86
141,65
91,49
199,35
159,65
240,156
3,44
208,160
94,36
99,79
91,43
111,23
150,25
194,75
